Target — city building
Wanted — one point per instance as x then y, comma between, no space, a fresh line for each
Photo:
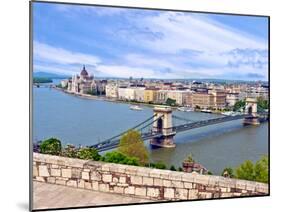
139,94
202,100
231,99
83,83
219,98
126,93
150,94
111,90
178,95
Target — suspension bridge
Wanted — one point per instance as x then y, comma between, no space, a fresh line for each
159,128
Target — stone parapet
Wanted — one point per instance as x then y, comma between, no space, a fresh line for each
139,181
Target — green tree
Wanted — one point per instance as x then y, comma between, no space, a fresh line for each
246,171
261,170
228,171
262,103
189,158
180,169
132,145
88,153
118,157
239,104
173,168
51,146
170,102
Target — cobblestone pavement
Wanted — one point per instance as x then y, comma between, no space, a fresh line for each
56,196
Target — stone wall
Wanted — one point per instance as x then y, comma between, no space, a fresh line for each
139,181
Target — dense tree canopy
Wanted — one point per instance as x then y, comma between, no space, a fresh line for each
51,146
132,145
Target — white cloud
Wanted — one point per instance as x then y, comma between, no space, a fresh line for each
46,53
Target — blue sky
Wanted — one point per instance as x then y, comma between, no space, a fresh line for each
119,42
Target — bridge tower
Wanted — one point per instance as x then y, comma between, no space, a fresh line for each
251,109
163,125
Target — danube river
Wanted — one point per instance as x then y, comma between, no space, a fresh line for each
77,120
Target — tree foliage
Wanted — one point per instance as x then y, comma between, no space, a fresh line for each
132,145
171,102
228,171
173,168
239,104
88,153
118,157
255,172
51,146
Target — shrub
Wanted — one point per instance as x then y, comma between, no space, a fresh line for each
158,165
70,151
51,146
172,168
88,153
228,171
118,157
180,169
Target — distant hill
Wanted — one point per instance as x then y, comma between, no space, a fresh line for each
49,75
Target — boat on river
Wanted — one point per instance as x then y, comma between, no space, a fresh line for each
135,107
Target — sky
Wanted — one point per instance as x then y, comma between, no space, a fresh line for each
121,42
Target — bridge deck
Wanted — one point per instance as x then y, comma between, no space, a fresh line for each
111,144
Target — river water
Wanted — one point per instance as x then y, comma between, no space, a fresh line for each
77,120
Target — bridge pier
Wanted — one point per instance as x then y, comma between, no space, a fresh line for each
251,109
163,125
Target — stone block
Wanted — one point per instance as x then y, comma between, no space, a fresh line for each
165,174
35,171
96,176
95,185
71,183
129,190
155,173
157,182
176,176
115,180
66,173
76,173
85,175
60,182
81,183
139,191
131,170
262,188
136,180
104,187
153,192
147,181
187,185
205,195
169,193
107,178
88,185
193,194
122,179
181,193
51,180
176,184
122,184
226,195
118,189
55,172
40,179
241,184
251,186
43,171
54,166
167,183
202,179
188,177
214,180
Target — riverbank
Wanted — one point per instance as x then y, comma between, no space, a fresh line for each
104,98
